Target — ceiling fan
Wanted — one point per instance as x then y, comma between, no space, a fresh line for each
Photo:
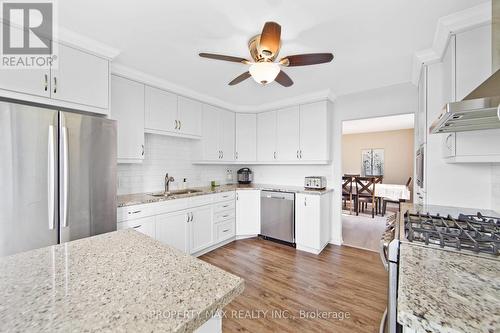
264,49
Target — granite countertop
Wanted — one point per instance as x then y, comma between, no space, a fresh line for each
445,291
115,282
143,198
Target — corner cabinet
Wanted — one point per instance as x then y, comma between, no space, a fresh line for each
245,137
298,135
80,81
127,100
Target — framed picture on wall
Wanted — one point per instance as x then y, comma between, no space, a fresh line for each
372,162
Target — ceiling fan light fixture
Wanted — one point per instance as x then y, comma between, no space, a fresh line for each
264,72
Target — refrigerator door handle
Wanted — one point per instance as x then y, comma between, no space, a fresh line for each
51,180
64,176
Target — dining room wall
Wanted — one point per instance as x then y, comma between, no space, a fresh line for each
398,153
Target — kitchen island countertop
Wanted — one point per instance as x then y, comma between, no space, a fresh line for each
114,282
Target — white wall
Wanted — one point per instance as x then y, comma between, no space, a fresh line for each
495,189
167,154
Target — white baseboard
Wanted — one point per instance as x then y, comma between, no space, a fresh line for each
213,247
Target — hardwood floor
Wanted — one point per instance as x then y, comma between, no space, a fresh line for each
341,282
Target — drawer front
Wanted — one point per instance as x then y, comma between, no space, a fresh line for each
145,225
224,230
134,212
223,216
223,206
224,196
201,200
169,206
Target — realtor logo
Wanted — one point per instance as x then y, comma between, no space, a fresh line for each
27,34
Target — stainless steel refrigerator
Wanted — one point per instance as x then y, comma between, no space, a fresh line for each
57,177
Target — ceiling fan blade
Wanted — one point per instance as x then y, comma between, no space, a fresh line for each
283,79
306,59
240,78
223,57
270,39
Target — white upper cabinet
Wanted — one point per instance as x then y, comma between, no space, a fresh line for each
161,110
28,81
287,134
266,136
169,114
473,59
218,134
314,134
246,137
80,81
80,78
127,108
189,116
227,134
210,134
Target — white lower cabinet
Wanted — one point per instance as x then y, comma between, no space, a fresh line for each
191,225
145,225
312,221
172,229
247,213
200,228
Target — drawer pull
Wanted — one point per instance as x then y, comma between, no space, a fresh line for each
225,206
135,212
137,226
225,215
225,230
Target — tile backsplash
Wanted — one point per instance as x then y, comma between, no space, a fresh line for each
168,154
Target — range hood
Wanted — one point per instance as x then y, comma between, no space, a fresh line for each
481,108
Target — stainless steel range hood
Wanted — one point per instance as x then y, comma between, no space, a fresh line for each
480,109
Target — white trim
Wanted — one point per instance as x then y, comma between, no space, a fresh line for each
150,80
214,247
176,134
446,26
86,44
310,249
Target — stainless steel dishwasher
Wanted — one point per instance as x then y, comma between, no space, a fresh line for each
277,213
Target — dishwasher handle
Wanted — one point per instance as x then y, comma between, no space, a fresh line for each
278,195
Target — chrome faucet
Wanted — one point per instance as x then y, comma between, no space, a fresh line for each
167,182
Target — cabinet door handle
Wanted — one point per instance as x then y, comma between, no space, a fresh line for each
274,155
142,153
300,153
237,196
180,124
236,155
137,226
225,230
55,85
134,212
222,154
192,217
46,85
305,201
297,154
225,215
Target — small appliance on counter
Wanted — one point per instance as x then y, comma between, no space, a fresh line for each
315,182
245,176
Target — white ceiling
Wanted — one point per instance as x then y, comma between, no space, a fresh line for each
379,124
373,41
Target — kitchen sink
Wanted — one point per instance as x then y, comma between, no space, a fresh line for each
176,192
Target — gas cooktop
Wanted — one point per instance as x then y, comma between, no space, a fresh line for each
477,233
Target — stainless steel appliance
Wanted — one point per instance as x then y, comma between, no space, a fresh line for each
315,182
481,108
57,177
445,228
420,166
245,176
277,210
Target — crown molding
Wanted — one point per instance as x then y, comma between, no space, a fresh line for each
150,80
86,44
447,25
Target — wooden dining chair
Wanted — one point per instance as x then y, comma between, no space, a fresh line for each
365,193
347,194
385,200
